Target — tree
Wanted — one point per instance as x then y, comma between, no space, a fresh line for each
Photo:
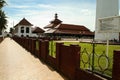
11,30
3,20
2,3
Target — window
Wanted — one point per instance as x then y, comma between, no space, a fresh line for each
22,35
22,29
27,29
27,35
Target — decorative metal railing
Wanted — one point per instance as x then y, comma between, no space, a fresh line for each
91,59
96,62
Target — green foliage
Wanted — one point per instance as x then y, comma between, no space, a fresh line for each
2,3
12,30
3,20
52,48
100,60
37,45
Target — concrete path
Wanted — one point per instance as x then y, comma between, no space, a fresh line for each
18,64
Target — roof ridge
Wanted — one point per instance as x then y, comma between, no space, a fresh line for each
24,22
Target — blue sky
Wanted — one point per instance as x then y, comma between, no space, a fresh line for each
41,12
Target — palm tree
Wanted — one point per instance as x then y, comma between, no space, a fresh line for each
3,21
2,3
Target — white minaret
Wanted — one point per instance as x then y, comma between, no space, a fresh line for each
106,8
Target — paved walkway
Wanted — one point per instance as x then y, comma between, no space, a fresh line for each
18,64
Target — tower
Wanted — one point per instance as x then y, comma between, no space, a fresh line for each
106,8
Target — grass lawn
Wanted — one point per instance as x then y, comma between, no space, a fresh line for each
101,61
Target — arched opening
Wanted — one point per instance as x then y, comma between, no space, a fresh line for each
27,35
22,29
22,35
27,30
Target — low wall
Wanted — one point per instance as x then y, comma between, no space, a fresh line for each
69,59
86,75
1,39
66,61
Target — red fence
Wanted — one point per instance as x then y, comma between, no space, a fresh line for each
1,39
69,57
67,60
116,66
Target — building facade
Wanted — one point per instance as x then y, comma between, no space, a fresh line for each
57,29
37,32
23,29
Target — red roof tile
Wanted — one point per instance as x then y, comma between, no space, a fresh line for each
57,27
50,26
54,23
56,20
70,29
59,31
24,22
73,27
38,30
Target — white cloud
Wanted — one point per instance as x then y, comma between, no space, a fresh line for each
29,6
45,6
68,14
41,13
86,12
20,6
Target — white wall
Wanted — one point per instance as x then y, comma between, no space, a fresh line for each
30,34
24,34
106,8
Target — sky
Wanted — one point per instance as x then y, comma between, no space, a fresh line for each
41,12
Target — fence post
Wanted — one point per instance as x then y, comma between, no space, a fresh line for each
78,48
40,49
44,50
68,59
1,39
58,46
30,47
33,47
116,66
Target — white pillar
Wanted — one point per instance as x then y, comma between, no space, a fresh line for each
106,8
